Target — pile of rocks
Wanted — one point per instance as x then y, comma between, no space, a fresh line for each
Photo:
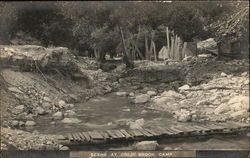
21,140
223,98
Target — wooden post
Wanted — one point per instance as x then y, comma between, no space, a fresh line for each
168,45
184,50
154,50
146,48
172,48
178,49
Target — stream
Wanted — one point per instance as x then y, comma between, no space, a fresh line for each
112,112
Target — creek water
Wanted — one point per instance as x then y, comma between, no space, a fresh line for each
112,112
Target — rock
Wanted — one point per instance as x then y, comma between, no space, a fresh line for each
126,110
146,145
138,124
173,94
187,58
123,94
18,109
14,90
61,104
14,123
143,98
151,93
47,99
221,109
30,123
184,87
64,148
223,74
40,111
131,94
58,115
71,120
53,123
238,114
239,102
144,112
47,105
69,113
244,74
183,115
246,82
122,80
21,123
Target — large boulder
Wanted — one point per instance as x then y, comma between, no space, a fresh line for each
146,145
143,98
238,103
137,124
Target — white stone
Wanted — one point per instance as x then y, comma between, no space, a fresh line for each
18,109
69,113
223,74
143,98
30,123
58,115
131,94
184,87
239,114
173,94
40,111
238,103
151,93
71,120
61,104
183,115
47,99
123,94
146,145
14,89
138,124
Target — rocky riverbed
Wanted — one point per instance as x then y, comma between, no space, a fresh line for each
196,89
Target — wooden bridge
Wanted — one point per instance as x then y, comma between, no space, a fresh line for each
122,135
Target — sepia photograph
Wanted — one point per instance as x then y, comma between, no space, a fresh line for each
137,79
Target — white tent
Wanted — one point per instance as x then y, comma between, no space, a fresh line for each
163,53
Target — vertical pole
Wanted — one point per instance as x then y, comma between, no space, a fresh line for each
168,45
172,48
184,49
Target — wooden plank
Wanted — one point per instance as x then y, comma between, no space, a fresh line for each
160,130
70,137
112,134
151,131
138,133
165,131
125,133
170,130
201,128
86,135
135,133
119,134
74,136
175,131
77,136
188,129
82,136
95,135
147,134
104,134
